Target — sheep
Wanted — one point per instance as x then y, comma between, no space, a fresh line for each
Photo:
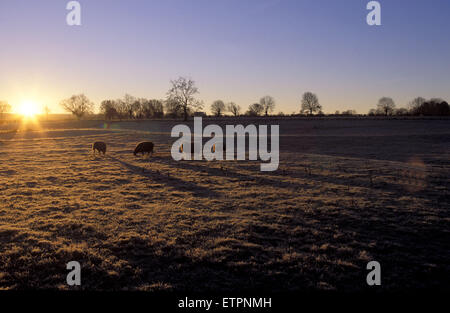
144,147
99,146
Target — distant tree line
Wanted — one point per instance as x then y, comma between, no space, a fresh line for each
181,102
130,107
417,107
5,107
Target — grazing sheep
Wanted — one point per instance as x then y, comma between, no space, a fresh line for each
99,146
144,147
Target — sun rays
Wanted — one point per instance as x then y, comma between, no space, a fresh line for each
29,109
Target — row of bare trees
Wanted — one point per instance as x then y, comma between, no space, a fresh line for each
5,107
266,105
418,106
130,107
180,101
218,107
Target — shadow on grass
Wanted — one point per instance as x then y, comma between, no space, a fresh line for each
171,181
226,172
264,178
310,173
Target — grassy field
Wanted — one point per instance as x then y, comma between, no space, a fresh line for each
346,192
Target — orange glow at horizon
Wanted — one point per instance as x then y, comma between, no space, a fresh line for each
28,109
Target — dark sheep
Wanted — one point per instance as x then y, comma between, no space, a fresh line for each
99,146
144,147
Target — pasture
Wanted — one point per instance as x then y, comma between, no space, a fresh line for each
346,192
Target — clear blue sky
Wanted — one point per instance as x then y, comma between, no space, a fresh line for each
236,50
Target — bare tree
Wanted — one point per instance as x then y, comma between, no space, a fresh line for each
158,108
150,108
255,109
386,105
415,104
130,105
217,107
401,111
349,112
173,109
121,109
182,94
146,109
310,103
136,108
4,108
78,105
372,112
268,104
233,108
109,109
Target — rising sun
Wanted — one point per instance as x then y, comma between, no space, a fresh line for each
28,108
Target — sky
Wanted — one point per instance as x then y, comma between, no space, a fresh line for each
235,50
